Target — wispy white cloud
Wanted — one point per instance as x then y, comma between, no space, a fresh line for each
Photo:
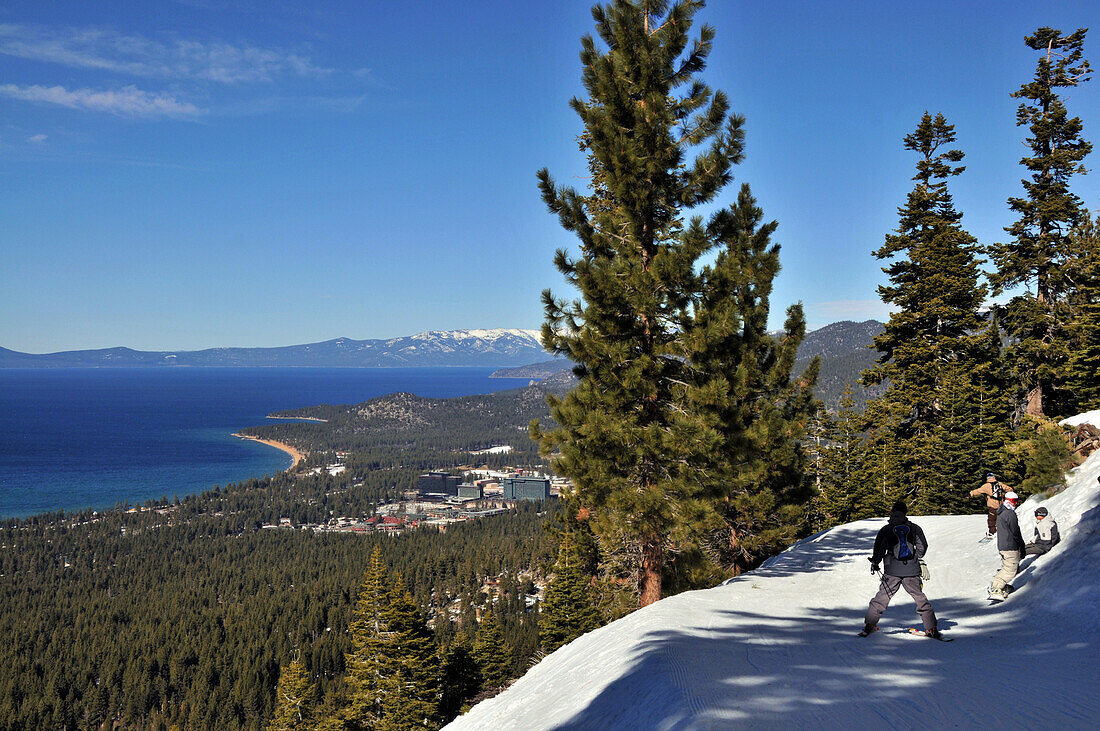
247,107
128,101
370,78
37,139
107,50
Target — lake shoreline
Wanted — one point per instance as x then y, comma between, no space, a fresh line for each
295,455
92,438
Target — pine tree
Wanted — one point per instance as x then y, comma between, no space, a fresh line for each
1082,381
461,678
885,455
933,278
955,448
412,666
845,494
368,663
641,431
742,387
293,699
937,340
1041,247
569,609
491,653
1043,456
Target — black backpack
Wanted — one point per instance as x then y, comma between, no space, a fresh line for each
998,491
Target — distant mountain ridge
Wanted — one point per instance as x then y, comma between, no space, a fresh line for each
496,347
846,350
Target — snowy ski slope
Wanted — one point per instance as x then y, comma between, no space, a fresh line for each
777,648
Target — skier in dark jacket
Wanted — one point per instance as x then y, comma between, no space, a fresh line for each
1010,544
901,545
1046,534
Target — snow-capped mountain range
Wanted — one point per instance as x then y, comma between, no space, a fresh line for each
776,648
498,347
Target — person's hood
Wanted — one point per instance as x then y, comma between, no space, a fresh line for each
898,517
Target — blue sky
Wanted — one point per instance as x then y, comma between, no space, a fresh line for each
183,175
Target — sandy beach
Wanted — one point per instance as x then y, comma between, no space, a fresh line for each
295,455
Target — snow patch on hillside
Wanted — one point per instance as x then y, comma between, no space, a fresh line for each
493,334
777,648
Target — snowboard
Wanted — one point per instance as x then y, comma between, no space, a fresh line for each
920,632
983,540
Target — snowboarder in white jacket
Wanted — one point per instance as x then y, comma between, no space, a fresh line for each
1046,534
901,545
1010,544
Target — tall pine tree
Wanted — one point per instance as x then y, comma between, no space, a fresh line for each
742,386
935,345
367,663
641,432
461,679
569,610
293,699
491,653
1083,381
845,492
412,666
1041,247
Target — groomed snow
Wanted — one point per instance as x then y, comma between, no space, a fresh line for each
777,648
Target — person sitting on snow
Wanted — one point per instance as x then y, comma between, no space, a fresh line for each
902,544
1010,544
1046,534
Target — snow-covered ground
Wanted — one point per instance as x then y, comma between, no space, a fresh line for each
777,648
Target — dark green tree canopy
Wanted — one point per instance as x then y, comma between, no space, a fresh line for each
933,272
939,353
1040,254
641,432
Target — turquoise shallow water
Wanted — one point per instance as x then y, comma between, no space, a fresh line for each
79,438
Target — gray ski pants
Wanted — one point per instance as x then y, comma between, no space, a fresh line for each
1038,548
886,591
1010,565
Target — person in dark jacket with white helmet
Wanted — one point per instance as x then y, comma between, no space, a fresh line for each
1046,534
901,545
1010,544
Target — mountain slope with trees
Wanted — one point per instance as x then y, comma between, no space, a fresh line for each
777,647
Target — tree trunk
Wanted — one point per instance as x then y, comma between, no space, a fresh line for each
1035,401
738,553
652,568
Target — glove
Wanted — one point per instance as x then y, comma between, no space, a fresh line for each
874,565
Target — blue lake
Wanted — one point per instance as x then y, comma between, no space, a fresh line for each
89,437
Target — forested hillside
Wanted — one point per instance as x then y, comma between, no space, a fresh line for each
185,614
846,350
403,429
148,620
